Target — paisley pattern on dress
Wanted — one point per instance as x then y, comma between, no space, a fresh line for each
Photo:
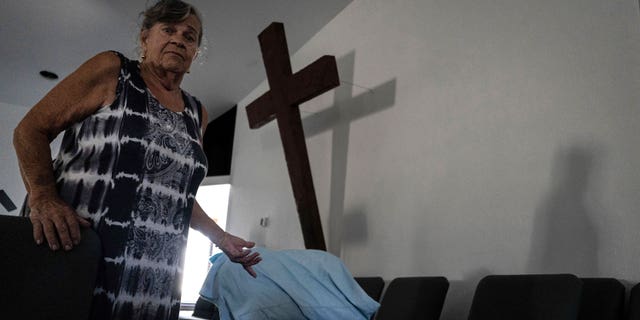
133,169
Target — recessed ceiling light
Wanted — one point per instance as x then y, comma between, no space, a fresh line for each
48,75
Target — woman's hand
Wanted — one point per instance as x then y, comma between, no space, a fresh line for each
237,250
57,222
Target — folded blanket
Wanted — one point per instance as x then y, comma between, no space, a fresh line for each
291,284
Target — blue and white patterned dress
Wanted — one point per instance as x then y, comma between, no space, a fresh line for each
133,169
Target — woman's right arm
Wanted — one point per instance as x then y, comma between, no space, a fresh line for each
77,96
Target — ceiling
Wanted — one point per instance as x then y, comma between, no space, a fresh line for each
59,35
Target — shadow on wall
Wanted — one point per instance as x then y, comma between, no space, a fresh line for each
346,109
564,239
354,227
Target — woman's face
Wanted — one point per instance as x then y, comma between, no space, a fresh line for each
172,46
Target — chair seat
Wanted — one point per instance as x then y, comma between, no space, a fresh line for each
38,283
413,298
372,286
602,299
527,297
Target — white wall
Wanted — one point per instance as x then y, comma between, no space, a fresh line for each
479,137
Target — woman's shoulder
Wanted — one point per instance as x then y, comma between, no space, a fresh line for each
100,74
104,64
108,59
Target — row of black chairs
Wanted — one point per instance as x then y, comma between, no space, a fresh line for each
502,297
32,278
498,297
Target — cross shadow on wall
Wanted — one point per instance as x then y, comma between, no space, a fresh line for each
564,239
346,109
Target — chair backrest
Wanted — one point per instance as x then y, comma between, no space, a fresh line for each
37,283
413,298
372,286
602,299
634,303
205,310
527,297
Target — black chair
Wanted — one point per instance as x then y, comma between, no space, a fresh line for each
527,297
37,283
413,298
205,310
602,299
372,286
634,303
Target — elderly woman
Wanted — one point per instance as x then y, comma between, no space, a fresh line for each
129,166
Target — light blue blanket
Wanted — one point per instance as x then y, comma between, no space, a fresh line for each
291,284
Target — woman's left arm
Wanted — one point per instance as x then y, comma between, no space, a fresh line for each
234,247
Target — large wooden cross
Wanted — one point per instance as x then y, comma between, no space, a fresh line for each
287,91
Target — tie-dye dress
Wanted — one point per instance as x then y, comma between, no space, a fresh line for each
133,169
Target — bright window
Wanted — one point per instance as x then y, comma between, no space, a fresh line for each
214,199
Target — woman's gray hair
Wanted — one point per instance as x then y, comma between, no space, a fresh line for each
170,11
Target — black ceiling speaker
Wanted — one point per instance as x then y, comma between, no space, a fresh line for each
48,75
